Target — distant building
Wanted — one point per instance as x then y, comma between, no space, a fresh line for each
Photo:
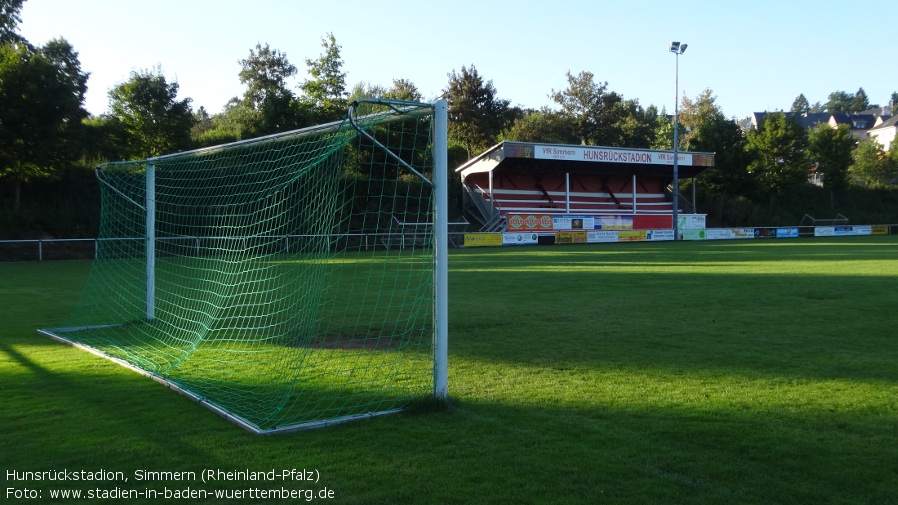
885,132
878,123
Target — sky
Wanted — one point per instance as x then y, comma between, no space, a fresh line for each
754,56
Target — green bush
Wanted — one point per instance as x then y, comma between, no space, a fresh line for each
859,205
65,207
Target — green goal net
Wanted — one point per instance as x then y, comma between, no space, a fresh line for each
286,282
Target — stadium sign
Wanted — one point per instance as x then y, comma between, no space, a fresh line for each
614,155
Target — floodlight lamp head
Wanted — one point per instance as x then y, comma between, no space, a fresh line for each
675,47
683,48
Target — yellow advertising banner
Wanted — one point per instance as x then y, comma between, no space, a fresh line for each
631,236
879,230
570,237
483,239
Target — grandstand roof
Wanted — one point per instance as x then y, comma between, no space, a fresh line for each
537,157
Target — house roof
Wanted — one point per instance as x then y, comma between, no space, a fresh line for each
863,121
806,120
892,122
810,120
855,121
878,112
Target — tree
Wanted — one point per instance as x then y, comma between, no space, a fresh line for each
268,105
202,123
871,167
544,125
403,89
634,126
364,90
476,115
890,166
41,96
582,103
327,87
840,102
860,102
102,140
265,73
152,119
777,147
730,175
609,122
693,114
603,117
664,133
10,17
236,121
830,150
801,105
893,103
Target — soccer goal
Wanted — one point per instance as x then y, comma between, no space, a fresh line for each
277,280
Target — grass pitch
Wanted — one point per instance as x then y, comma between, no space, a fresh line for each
712,372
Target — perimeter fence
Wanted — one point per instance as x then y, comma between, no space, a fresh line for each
86,248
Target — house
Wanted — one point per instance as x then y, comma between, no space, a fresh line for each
885,132
877,123
858,124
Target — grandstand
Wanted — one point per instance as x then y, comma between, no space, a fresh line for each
513,179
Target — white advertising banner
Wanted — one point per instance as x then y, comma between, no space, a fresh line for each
571,222
842,231
729,233
520,239
692,221
595,237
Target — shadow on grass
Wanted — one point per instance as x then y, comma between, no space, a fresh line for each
826,321
501,453
478,451
572,387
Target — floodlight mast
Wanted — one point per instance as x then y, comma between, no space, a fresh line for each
678,49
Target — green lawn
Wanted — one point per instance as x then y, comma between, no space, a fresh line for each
750,372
